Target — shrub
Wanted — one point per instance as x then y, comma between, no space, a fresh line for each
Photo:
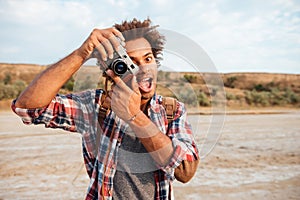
273,97
203,100
69,85
257,98
84,83
11,91
291,97
19,86
7,91
163,76
7,79
190,78
230,81
188,97
167,75
230,96
276,97
160,75
260,87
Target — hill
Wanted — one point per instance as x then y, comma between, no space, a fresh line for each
241,90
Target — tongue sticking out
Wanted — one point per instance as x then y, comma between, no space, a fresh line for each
146,85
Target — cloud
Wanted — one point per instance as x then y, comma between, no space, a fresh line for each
250,36
46,12
237,35
42,28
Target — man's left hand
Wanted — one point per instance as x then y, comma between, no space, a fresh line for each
125,97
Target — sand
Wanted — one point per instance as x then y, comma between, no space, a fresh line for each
256,157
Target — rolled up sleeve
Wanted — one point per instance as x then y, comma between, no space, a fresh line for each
71,112
185,148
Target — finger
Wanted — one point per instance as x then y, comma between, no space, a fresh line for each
99,50
115,42
131,82
117,80
89,46
119,83
108,47
118,34
127,79
102,52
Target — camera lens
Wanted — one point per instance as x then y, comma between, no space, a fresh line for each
119,67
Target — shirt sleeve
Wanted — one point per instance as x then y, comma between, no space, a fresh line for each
185,148
72,112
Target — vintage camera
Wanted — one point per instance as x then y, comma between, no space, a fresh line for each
120,64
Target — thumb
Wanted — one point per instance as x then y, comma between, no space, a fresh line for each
131,82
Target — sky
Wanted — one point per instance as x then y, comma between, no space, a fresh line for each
238,36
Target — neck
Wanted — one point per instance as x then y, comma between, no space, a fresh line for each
144,104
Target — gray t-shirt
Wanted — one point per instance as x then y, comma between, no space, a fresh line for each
134,178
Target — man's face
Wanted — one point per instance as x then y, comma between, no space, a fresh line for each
140,52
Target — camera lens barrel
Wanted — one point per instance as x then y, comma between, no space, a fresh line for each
119,67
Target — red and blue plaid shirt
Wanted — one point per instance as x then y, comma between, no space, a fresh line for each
79,113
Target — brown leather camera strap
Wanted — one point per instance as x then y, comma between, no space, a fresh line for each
104,104
170,105
103,109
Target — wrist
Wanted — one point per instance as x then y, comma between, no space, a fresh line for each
83,56
139,119
143,127
134,116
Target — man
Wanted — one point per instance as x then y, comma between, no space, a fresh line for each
135,153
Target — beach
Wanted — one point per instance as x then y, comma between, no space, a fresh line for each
256,156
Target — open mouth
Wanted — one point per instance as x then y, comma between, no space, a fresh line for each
146,84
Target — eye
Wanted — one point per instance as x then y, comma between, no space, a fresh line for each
134,61
148,59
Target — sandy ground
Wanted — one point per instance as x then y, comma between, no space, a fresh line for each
256,157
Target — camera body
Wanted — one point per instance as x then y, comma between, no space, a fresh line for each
120,64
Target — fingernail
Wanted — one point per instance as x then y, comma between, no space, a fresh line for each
122,38
109,72
111,56
104,58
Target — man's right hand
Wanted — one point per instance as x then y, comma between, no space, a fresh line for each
104,40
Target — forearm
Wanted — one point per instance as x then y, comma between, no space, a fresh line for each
156,143
160,148
46,85
41,91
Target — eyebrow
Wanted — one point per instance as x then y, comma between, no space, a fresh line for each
147,54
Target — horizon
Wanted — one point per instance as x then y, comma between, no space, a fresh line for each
164,70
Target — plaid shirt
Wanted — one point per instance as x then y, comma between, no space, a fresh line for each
79,113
